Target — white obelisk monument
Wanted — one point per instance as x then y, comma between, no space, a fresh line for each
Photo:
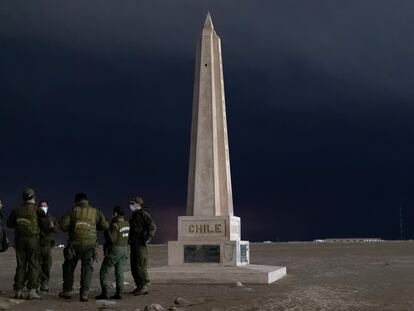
209,247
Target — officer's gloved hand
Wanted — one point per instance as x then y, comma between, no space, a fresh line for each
143,240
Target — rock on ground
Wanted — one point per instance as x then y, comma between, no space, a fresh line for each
182,302
154,307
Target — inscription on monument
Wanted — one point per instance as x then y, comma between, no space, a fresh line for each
205,228
201,253
195,228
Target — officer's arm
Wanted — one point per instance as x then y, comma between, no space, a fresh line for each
133,236
40,214
54,226
113,232
152,228
11,221
64,222
130,241
101,224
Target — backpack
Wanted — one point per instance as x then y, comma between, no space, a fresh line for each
26,221
84,223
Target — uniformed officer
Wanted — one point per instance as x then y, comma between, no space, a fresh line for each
24,221
81,222
48,226
116,253
142,230
4,242
2,229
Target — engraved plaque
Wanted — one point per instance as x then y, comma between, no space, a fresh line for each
243,252
202,253
204,228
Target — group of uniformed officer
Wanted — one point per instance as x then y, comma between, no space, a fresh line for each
34,226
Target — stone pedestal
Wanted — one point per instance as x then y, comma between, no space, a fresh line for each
208,239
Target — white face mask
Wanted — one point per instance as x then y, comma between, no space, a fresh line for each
132,207
44,209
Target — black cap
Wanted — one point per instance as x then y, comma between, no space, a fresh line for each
80,196
28,194
119,210
136,199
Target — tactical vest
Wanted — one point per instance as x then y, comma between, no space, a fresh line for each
84,223
26,221
122,227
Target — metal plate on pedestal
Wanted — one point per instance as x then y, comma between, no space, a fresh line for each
243,252
202,253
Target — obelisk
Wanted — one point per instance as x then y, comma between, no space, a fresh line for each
210,233
209,181
209,248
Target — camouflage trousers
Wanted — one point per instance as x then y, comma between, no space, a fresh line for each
28,263
45,263
116,258
139,260
73,254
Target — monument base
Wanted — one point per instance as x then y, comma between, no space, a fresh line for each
226,253
211,273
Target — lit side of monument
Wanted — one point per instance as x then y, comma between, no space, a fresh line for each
209,249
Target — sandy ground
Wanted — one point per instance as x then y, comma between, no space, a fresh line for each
376,276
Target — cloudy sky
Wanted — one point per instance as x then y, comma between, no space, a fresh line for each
96,96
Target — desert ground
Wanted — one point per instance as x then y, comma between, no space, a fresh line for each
369,276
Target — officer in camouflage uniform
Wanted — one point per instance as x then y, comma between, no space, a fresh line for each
4,241
142,230
116,253
24,221
48,227
3,237
2,230
81,223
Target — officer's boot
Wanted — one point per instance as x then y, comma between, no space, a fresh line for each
144,290
84,297
44,287
65,294
33,294
103,295
117,295
18,294
136,291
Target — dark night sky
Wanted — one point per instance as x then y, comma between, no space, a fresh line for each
96,96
